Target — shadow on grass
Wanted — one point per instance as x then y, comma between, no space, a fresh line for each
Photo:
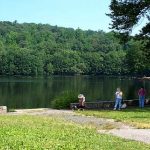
140,117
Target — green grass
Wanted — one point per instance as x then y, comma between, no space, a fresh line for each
133,116
41,133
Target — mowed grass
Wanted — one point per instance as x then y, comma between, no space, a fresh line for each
48,133
137,117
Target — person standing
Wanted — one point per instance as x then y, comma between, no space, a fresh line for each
118,99
141,94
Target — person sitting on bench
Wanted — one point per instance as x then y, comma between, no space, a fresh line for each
81,104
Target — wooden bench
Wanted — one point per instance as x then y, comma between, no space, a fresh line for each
109,104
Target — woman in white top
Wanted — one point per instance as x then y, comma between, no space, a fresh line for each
118,99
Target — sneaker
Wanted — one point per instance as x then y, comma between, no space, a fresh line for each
114,108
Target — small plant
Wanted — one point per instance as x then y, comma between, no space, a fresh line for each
64,99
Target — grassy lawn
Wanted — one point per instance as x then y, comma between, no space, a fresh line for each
41,133
133,116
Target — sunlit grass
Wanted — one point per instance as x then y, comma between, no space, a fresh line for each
133,116
39,132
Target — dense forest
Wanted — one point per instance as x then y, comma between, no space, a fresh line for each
42,49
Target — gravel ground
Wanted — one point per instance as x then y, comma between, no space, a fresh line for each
103,126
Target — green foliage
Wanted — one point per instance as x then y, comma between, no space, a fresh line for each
50,69
136,57
38,49
65,62
94,62
114,63
63,100
126,14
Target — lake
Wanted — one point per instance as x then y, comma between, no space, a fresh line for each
37,92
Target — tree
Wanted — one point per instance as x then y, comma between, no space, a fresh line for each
114,63
136,58
38,49
94,62
125,14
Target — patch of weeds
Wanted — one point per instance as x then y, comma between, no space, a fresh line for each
107,126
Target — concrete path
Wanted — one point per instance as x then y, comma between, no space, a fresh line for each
142,135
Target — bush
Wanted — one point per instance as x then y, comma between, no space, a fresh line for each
64,99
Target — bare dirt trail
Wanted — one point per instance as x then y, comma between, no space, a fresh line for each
104,126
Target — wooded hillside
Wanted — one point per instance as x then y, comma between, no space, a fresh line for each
42,49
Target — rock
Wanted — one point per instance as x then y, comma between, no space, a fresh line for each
3,109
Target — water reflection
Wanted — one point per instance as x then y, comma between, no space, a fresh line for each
39,92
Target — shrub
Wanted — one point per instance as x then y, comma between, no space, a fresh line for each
64,99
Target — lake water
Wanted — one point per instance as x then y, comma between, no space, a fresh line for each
37,92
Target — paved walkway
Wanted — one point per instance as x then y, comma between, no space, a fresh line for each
142,135
104,126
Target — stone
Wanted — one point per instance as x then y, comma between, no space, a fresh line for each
3,109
